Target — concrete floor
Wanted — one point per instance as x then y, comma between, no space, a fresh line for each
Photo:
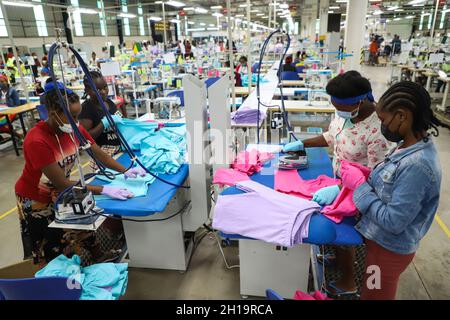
428,277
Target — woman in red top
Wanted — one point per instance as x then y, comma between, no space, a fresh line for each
50,153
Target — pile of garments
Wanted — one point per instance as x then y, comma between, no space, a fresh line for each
162,151
244,79
247,116
251,162
102,281
137,186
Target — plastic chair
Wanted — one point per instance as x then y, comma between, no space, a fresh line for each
43,112
47,288
272,295
179,94
289,75
210,81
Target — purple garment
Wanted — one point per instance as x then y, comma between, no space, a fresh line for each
264,214
247,116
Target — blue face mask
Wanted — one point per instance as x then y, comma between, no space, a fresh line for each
348,114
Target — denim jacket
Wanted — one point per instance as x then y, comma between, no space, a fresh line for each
399,200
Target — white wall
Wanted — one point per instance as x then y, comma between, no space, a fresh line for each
402,27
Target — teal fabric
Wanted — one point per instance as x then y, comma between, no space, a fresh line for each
102,281
138,186
135,131
244,79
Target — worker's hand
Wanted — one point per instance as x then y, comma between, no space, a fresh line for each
294,146
117,193
134,172
351,176
326,196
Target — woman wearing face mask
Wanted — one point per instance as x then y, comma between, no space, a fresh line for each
399,200
50,151
355,136
10,97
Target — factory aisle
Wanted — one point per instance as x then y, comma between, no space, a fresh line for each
208,278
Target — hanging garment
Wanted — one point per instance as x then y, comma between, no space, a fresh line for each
264,214
228,177
252,161
343,205
137,186
102,281
290,182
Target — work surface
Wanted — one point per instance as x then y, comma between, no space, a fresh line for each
158,195
321,229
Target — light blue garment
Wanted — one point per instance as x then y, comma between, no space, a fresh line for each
135,131
161,155
244,79
399,200
138,186
102,281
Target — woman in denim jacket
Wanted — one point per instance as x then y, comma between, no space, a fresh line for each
399,200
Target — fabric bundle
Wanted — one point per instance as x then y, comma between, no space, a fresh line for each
252,161
343,205
102,281
228,177
244,79
247,116
264,214
290,182
317,295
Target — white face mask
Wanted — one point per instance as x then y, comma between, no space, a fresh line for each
348,114
65,127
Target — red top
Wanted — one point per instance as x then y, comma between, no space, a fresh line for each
41,148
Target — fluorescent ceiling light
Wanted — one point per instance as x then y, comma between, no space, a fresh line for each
212,29
416,2
399,10
243,6
175,21
203,24
254,10
393,8
201,10
239,15
189,9
155,18
126,15
196,29
191,22
331,11
260,14
341,1
83,10
217,14
18,4
335,7
176,4
284,6
158,2
410,17
216,7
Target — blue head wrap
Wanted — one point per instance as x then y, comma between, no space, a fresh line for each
51,86
353,100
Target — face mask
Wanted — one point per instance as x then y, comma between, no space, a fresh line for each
389,135
348,114
65,127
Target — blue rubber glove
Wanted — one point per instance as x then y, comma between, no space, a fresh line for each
294,146
326,196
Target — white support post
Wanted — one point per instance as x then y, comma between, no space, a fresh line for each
430,44
354,33
231,55
16,55
164,22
